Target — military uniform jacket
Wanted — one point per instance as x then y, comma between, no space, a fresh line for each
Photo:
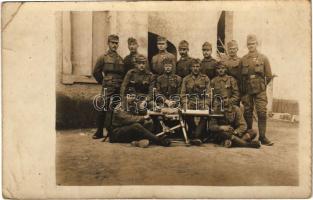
157,65
232,117
122,117
208,67
129,62
139,83
226,86
109,71
183,67
168,85
256,73
195,92
233,67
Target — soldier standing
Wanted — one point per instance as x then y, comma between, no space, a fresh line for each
225,86
183,67
195,95
108,71
157,65
232,128
129,60
232,61
256,74
208,64
139,81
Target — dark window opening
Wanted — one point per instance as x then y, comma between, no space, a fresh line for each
221,33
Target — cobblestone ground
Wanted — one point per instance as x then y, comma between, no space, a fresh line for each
80,160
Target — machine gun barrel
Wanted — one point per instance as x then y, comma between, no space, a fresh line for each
196,113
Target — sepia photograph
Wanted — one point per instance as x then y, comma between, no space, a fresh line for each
203,96
148,99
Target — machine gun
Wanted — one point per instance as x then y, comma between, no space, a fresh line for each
177,115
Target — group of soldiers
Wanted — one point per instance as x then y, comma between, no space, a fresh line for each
186,83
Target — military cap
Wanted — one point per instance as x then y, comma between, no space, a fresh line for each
220,65
113,38
196,61
167,60
131,40
140,58
207,45
161,39
251,38
232,43
183,44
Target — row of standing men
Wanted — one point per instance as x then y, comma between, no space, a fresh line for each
235,79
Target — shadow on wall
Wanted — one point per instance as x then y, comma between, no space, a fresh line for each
74,112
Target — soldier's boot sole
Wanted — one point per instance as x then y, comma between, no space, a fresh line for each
266,142
255,144
141,143
227,143
98,135
196,142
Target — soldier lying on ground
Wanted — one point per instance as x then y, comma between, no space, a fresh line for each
231,130
128,125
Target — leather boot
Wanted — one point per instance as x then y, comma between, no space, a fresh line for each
249,119
241,143
262,130
100,125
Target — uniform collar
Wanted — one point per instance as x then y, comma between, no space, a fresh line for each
168,75
253,55
141,72
111,52
233,58
208,59
133,54
163,52
195,77
184,58
224,78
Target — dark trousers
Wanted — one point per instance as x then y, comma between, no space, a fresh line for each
201,130
237,141
129,133
196,132
191,125
104,118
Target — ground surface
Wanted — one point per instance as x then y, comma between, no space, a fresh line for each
83,161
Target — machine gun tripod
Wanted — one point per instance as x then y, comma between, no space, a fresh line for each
177,115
